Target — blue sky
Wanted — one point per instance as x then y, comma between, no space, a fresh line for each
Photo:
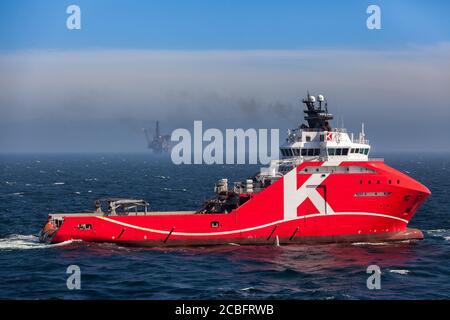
233,24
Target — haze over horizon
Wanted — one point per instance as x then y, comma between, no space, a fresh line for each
232,66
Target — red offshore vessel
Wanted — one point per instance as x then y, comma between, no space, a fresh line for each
324,188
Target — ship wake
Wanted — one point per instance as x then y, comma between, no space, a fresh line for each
26,242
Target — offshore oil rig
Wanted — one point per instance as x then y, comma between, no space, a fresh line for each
160,143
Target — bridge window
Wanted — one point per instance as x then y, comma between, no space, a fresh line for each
308,138
338,151
357,150
352,150
297,151
304,152
316,151
345,151
331,151
366,151
310,152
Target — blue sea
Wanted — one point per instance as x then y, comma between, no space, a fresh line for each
31,186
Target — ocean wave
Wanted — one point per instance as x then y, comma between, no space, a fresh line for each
25,242
58,183
404,272
372,243
386,243
439,233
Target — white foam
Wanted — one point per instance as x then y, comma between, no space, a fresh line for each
58,183
400,271
25,242
247,289
371,243
442,233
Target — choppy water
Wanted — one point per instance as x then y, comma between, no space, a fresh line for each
33,185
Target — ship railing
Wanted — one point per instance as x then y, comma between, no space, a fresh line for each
341,130
309,129
244,190
365,141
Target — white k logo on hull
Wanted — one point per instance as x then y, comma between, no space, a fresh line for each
294,197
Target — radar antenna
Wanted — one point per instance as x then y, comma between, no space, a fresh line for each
315,116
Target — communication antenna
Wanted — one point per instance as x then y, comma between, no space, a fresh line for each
321,99
363,134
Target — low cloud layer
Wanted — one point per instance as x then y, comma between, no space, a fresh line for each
99,100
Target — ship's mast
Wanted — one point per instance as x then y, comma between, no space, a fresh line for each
317,117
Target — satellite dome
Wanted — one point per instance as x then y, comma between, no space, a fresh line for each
312,99
320,98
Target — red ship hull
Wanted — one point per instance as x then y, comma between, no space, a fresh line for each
303,206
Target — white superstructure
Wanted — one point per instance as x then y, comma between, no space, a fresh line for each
307,145
318,141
